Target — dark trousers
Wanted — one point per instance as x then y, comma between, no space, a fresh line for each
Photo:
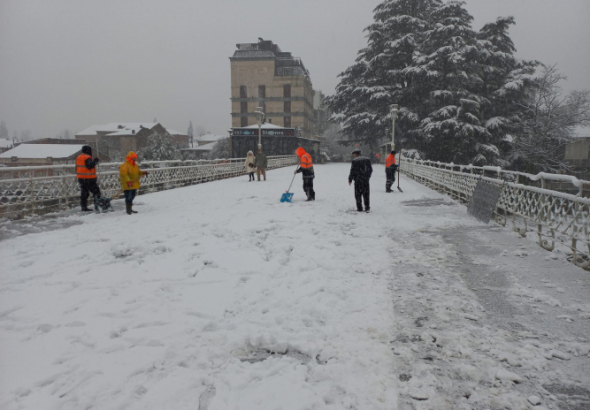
308,188
88,186
250,176
362,191
130,195
390,176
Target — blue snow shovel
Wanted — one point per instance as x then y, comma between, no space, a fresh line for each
287,197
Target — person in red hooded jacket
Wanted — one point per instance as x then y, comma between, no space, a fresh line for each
306,168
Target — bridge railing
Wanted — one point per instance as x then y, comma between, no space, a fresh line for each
526,202
42,189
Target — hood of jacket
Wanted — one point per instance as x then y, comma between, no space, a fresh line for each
87,149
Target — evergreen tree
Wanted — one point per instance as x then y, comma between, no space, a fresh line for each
159,148
447,79
3,130
461,92
378,78
505,81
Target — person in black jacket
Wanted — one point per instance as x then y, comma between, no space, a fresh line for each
360,173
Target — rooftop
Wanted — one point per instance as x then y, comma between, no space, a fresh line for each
38,151
285,63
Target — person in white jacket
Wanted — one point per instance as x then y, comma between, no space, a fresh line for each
249,165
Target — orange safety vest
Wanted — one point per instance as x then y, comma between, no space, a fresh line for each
306,161
81,170
390,161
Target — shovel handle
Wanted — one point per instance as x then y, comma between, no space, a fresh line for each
291,183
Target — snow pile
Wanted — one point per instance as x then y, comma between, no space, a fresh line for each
216,293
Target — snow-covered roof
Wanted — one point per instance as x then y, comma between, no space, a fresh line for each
42,151
264,126
210,137
582,132
206,147
5,143
174,132
114,127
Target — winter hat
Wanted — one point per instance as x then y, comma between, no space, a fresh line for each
357,151
132,156
87,149
299,152
250,153
394,152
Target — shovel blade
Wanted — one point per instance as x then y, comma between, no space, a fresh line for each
287,197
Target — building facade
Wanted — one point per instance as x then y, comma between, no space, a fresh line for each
275,140
264,76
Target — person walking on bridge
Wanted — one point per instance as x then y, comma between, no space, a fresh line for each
306,167
86,173
260,163
360,172
390,170
249,165
130,175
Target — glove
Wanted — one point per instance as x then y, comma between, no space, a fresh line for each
96,160
129,184
145,172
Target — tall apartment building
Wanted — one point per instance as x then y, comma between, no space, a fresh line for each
264,76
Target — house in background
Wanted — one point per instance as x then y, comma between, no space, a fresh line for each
40,154
208,139
117,139
5,145
577,154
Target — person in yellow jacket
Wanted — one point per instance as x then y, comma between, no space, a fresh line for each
130,175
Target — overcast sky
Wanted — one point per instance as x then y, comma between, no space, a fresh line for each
69,64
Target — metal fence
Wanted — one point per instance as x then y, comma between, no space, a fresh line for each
555,217
43,189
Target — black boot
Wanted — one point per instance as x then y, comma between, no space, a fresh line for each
128,209
131,207
313,195
84,205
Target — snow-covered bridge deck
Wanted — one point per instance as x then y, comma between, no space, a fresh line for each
217,296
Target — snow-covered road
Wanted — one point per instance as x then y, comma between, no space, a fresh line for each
219,297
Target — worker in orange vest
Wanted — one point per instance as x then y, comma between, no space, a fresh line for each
390,169
306,167
86,173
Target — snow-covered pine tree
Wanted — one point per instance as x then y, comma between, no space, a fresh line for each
505,81
159,148
377,79
446,77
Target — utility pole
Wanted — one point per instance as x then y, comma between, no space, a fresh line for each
394,111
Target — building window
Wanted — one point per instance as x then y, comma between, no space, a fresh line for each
287,72
287,91
244,107
244,121
287,122
263,106
287,106
261,91
243,91
270,120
